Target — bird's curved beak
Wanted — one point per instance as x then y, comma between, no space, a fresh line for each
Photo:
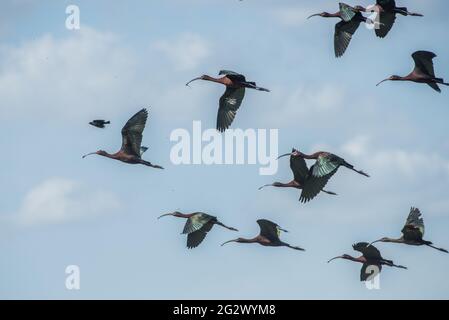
313,15
235,240
89,154
382,82
284,155
164,215
373,243
198,78
266,185
339,257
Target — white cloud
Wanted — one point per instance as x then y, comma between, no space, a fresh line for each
60,200
186,51
67,77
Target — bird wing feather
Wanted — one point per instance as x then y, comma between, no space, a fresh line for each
369,252
299,168
387,20
313,186
269,230
365,275
424,62
347,12
234,76
414,225
343,35
132,133
230,102
197,221
195,238
326,164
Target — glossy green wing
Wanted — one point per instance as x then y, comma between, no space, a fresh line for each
326,164
132,133
343,35
230,102
346,12
414,225
196,222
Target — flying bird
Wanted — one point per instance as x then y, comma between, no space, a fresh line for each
412,232
231,100
371,257
344,30
99,123
303,179
423,73
143,149
130,151
197,226
387,11
268,236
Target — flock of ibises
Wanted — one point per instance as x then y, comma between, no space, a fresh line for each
311,181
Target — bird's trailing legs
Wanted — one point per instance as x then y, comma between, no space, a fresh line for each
149,164
350,166
439,249
225,226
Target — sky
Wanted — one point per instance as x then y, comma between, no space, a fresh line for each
58,209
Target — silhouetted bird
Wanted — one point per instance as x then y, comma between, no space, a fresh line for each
412,232
198,224
99,123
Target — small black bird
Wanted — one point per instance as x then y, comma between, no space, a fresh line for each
99,123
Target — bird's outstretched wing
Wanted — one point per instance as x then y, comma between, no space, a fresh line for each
196,222
424,63
313,186
369,271
386,20
343,35
269,230
326,164
299,168
370,252
347,12
414,225
230,102
132,133
234,76
195,238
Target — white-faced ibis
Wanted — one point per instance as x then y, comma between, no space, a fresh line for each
387,11
231,100
423,73
99,123
345,29
370,257
268,236
412,232
303,179
131,142
197,226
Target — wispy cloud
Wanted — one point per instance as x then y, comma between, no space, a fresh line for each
60,200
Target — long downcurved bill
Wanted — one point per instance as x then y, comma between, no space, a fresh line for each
89,154
164,215
198,78
313,15
381,82
339,257
373,243
284,155
266,185
228,242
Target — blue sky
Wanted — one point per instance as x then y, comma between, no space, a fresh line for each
99,214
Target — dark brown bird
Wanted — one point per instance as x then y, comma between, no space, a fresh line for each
99,123
387,11
370,257
326,165
412,232
197,226
231,100
268,236
131,142
303,179
345,29
423,73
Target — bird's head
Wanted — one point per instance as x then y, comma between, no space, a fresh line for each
203,77
391,78
240,240
174,214
322,14
294,153
360,9
344,256
99,152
